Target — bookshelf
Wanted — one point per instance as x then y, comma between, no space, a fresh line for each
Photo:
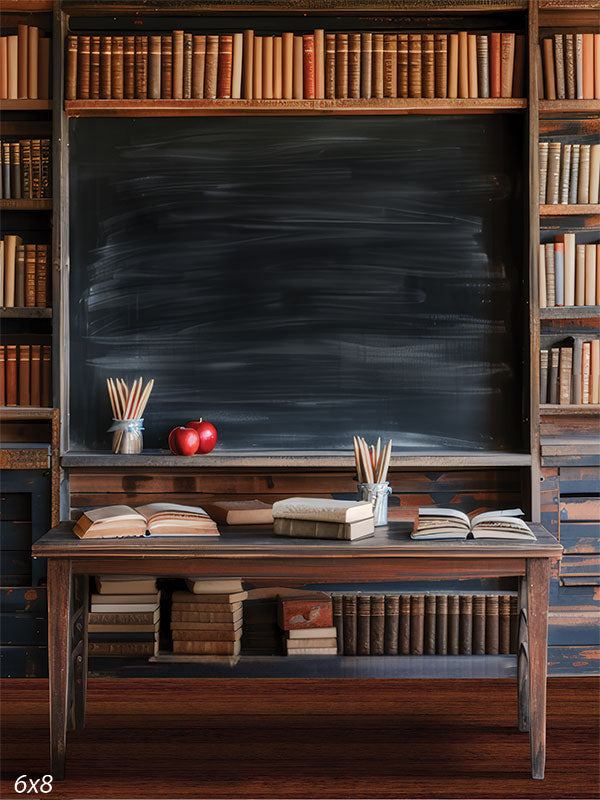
565,210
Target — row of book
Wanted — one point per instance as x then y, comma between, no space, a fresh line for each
24,273
570,373
571,66
569,273
25,65
124,619
318,65
26,375
25,172
569,173
207,619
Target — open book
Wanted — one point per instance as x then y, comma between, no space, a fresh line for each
154,519
448,523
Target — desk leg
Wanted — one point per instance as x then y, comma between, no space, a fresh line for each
523,658
59,646
538,579
80,664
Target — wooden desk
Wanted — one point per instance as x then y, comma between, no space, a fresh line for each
389,555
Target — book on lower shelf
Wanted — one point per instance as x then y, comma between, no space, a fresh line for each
124,623
26,171
449,523
569,173
568,272
207,623
570,372
27,373
25,274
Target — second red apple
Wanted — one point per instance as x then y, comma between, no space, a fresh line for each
207,433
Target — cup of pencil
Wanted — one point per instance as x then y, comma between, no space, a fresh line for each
372,464
128,406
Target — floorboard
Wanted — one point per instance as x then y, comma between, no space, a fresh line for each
179,738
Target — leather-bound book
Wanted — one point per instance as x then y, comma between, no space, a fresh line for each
366,65
15,170
404,621
377,78
514,623
440,46
354,65
363,625
256,68
94,88
118,78
277,67
549,75
569,48
565,376
33,35
453,65
466,625
492,627
478,625
248,65
441,625
45,168
46,376
140,49
349,614
308,65
577,388
579,66
24,378
237,64
154,67
338,621
20,276
574,176
12,392
580,275
588,66
224,68
553,379
495,65
559,66
330,66
552,183
106,67
320,63
595,365
36,168
583,183
341,65
473,77
177,68
26,167
10,265
30,264
22,46
198,61
417,624
166,66
507,54
44,68
403,64
559,273
13,66
298,69
391,626
267,67
41,276
414,65
288,65
71,69
3,92
543,170
430,625
463,64
565,174
211,67
518,87
377,625
504,624
83,67
129,67
428,65
390,64
36,375
2,376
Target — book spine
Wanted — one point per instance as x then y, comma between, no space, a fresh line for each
429,625
543,376
338,621
24,362
377,77
565,174
518,87
414,65
554,157
585,372
504,624
363,625
579,66
154,67
129,67
366,64
13,66
308,66
20,277
117,76
559,273
478,625
106,67
22,62
543,170
141,67
569,266
198,62
121,649
341,65
41,277
440,64
298,69
580,275
6,187
466,625
278,67
592,273
353,65
377,625
15,170
46,381
492,630
320,62
392,621
224,68
549,76
559,66
553,375
44,69
288,65
417,624
597,66
569,47
594,190
390,65
588,65
2,377
166,65
71,69
514,623
330,66
453,65
565,375
83,67
267,67
577,386
349,615
583,186
473,77
177,65
36,375
11,375
453,625
574,176
188,54
237,67
595,371
441,625
463,64
428,65
495,65
30,258
543,294
211,67
404,625
248,64
3,92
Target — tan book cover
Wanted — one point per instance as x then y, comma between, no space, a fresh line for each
580,275
549,76
302,634
565,174
125,584
414,65
463,64
23,60
595,371
240,512
237,66
586,367
507,54
320,63
565,376
211,630
377,77
208,608
190,635
298,69
366,65
129,67
473,77
189,615
579,65
569,48
588,66
313,651
198,64
248,65
70,67
177,73
32,62
559,66
583,184
553,180
207,648
330,66
224,67
106,67
591,269
267,67
288,65
299,644
216,588
154,67
3,68
453,65
390,65
543,170
543,297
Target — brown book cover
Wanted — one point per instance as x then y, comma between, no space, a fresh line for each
154,67
495,65
430,622
330,54
41,276
341,72
2,376
24,364
574,176
404,621
23,60
267,67
298,69
377,625
565,375
121,649
308,65
478,625
391,625
15,170
3,75
237,63
248,65
473,69
44,68
26,167
225,65
390,65
507,54
119,619
363,625
12,391
414,65
588,66
463,64
354,65
166,66
483,65
106,67
441,625
129,67
33,35
349,614
20,276
83,67
13,66
549,76
559,66
543,375
569,48
466,625
417,624
207,648
46,388
597,66
45,168
440,64
117,77
453,65
492,627
198,61
240,512
140,71
583,183
188,614
71,69
337,602
94,67
553,172
553,377
36,375
366,65
514,623
203,608
211,66
177,65
377,77
320,62
191,635
257,68
520,69
504,624
36,168
304,611
288,65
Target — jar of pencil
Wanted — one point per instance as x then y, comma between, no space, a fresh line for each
372,464
128,406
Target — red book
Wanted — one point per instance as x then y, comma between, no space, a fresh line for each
36,375
11,374
225,66
46,376
495,65
24,361
308,66
306,611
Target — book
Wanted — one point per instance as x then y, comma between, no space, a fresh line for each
151,598
224,67
550,274
349,624
154,67
300,644
553,376
154,519
583,184
478,625
542,291
105,67
129,67
441,625
473,77
122,649
552,185
504,624
24,361
83,67
302,634
580,274
465,623
207,648
463,64
125,628
267,67
186,634
417,624
565,376
363,625
177,65
453,625
128,617
427,63
338,621
574,176
366,65
94,67
198,64
543,376
404,621
217,587
591,275
414,64
587,56
559,66
565,173
391,624
559,273
305,611
298,68
543,169
125,584
429,625
354,66
185,620
569,49
585,370
322,510
211,67
319,35
228,618
341,64
107,607
314,651
402,62
440,45
519,72
495,57
549,73
237,67
444,523
248,66
313,529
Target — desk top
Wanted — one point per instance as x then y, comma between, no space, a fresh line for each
259,541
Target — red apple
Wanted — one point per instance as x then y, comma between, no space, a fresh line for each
184,441
207,433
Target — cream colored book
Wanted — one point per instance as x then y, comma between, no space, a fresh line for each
154,519
312,633
449,523
322,509
216,586
125,584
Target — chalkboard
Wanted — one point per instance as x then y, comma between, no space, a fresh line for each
296,280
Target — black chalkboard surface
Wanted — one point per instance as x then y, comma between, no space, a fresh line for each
296,280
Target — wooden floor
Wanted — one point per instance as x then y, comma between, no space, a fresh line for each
179,738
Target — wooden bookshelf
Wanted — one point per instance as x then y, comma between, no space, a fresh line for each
570,410
19,204
8,413
25,105
570,312
550,107
560,210
25,313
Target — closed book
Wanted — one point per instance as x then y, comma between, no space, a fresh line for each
430,624
248,65
304,611
46,376
417,624
26,177
583,183
553,380
6,187
559,66
15,170
354,65
391,624
141,67
83,67
10,266
319,35
30,270
569,49
313,633
569,266
543,376
441,625
349,614
377,625
2,376
492,627
308,66
554,158
565,174
466,625
579,65
440,64
414,65
207,616
267,67
565,375
298,69
240,512
20,276
23,60
287,65
574,176
229,608
366,65
184,632
122,636
463,64
341,65
390,65
3,68
224,68
550,275
595,371
453,65
543,170
209,629
543,295
338,620
585,372
12,389
198,62
121,649
514,623
377,74
588,66
106,67
13,66
129,67
36,375
124,618
559,273
177,65
24,363
237,64
311,529
95,47
41,276
211,67
594,190
404,622
207,648
473,79
402,81
518,87
591,275
204,598
478,646
330,81
117,68
576,388
166,66
549,75
301,644
313,651
495,65
580,275
125,584
119,628
154,67
597,66
428,65
504,624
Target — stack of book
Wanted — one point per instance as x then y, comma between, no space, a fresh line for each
207,619
570,66
125,617
569,273
24,273
317,65
25,64
26,172
569,173
307,622
570,373
321,518
26,375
